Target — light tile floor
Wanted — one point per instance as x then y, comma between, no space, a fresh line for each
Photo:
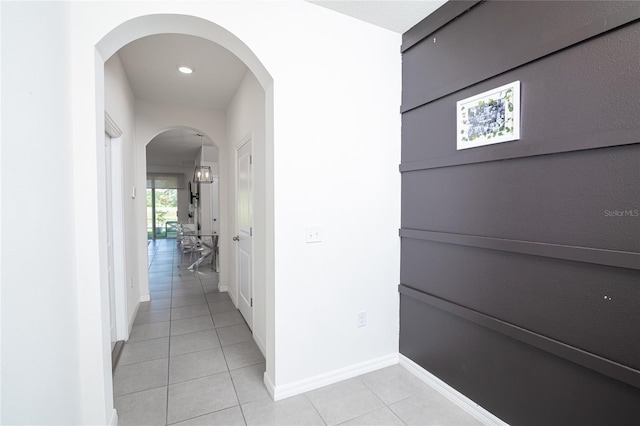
191,360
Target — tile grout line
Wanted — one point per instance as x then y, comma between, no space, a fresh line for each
166,411
315,408
233,384
388,406
177,279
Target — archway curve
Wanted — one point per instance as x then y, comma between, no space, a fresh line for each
154,24
178,126
148,139
148,25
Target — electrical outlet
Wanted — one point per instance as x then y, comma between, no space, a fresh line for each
362,318
131,282
313,234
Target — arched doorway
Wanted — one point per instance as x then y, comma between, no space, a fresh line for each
263,230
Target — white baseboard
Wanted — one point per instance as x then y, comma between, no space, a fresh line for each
268,383
232,294
306,385
485,417
132,319
222,288
260,343
145,297
114,418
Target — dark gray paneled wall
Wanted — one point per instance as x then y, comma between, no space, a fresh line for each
516,287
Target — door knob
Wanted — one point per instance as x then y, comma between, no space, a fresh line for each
236,238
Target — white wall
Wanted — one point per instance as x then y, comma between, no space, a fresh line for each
246,119
337,136
335,143
120,105
40,377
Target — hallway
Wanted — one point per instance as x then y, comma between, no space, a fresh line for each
191,360
190,353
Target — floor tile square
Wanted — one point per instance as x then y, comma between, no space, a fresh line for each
140,376
187,285
234,334
185,292
193,342
164,286
221,307
159,295
431,408
185,276
297,410
249,383
218,296
150,317
380,417
142,408
195,365
159,276
189,311
200,396
178,302
145,350
225,319
344,401
154,305
210,288
242,355
393,384
190,325
156,273
149,331
227,417
160,279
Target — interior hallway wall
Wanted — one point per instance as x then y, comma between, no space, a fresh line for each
246,120
120,105
41,350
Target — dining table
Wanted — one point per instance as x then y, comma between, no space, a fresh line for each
208,240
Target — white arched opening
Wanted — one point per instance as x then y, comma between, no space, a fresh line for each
184,138
263,159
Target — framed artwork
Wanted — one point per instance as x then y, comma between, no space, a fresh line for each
490,117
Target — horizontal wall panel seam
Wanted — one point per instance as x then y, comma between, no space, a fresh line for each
438,19
586,359
609,23
618,259
620,137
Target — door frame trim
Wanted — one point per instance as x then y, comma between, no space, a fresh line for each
118,237
236,263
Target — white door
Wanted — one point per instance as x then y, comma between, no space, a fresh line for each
215,211
244,231
110,257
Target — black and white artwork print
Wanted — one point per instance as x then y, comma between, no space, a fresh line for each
490,117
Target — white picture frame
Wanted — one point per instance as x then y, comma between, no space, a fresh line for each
489,118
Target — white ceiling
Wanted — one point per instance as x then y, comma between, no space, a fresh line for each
151,64
151,67
394,15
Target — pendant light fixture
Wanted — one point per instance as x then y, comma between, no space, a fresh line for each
202,174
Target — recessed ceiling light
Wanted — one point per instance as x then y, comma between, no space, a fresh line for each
185,69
